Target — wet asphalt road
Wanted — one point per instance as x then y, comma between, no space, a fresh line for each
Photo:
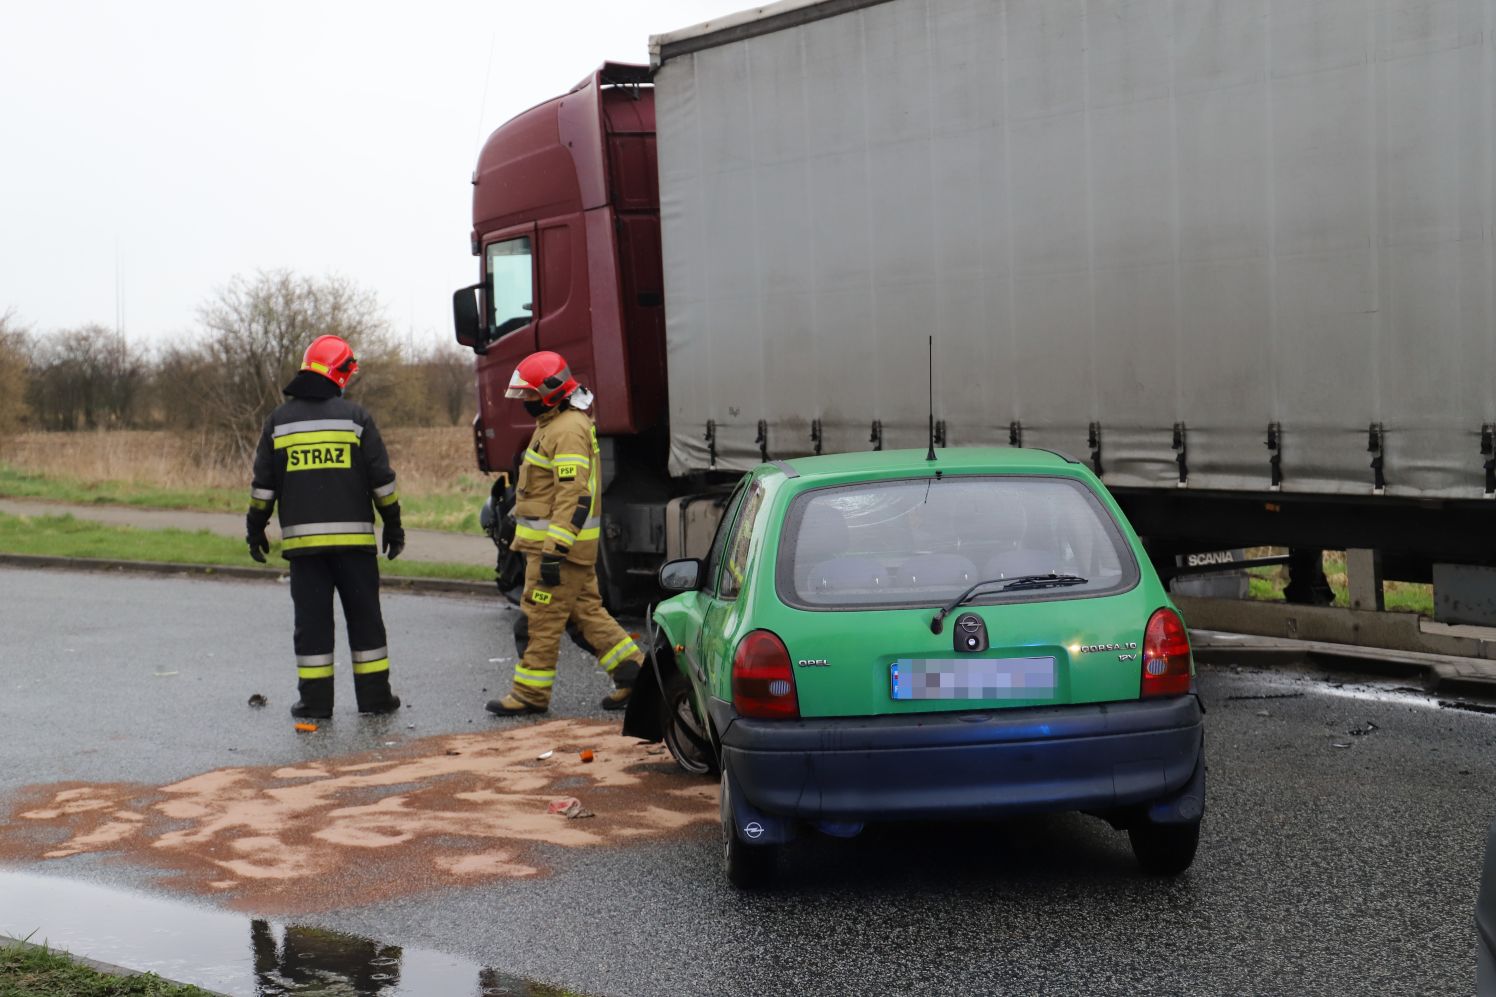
1323,869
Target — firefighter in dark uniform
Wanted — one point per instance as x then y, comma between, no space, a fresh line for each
321,458
558,514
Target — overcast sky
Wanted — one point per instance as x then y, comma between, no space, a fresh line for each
180,143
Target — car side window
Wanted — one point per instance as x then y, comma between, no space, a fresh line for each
719,541
735,559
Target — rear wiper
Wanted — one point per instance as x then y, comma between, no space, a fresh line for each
1050,580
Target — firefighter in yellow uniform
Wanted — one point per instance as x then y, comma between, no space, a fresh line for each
558,513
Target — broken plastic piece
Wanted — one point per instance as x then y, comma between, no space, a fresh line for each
306,728
544,755
586,755
569,807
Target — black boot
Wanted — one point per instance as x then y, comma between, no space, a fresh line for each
624,677
373,693
316,699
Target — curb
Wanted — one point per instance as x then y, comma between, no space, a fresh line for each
388,583
107,968
1440,673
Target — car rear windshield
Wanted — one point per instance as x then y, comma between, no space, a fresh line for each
924,541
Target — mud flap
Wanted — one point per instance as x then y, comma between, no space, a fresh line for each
1188,805
752,825
644,717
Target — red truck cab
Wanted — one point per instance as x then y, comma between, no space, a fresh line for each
566,224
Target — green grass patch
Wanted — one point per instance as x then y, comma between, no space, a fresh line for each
23,484
64,536
450,512
1399,597
446,511
27,971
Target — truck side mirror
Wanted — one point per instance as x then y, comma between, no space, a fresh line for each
681,576
470,330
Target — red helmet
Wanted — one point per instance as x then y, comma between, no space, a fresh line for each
332,358
544,373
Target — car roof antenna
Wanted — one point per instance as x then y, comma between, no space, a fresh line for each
931,454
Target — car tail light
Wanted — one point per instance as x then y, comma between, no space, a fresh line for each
1166,655
763,685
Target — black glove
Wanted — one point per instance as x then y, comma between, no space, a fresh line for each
254,534
394,541
259,546
550,570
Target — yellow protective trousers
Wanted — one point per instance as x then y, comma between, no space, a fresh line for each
547,609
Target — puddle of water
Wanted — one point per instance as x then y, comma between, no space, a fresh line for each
232,953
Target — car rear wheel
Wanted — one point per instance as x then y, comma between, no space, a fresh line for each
1164,849
685,735
748,866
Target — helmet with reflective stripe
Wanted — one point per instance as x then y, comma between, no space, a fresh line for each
544,373
331,357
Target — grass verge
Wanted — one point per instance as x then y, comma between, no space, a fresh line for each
1399,597
64,536
37,971
449,511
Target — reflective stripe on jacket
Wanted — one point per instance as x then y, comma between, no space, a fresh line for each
558,508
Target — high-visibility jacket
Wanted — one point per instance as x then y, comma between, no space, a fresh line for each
322,461
558,505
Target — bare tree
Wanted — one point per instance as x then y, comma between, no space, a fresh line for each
85,378
14,349
448,370
254,332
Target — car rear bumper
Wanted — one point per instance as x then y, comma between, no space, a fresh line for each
1094,757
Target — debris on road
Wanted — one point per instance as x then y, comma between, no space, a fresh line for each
585,755
1271,695
569,807
1457,704
544,755
1263,713
1340,744
258,700
163,675
453,751
1358,731
306,728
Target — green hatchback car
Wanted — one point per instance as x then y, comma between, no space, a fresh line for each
879,636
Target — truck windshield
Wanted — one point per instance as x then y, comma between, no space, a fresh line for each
922,542
511,285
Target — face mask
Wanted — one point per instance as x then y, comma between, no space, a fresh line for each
536,409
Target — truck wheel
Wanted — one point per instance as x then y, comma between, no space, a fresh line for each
748,867
1164,849
685,735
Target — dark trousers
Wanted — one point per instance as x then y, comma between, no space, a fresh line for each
354,575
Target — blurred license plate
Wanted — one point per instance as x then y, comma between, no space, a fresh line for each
973,678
